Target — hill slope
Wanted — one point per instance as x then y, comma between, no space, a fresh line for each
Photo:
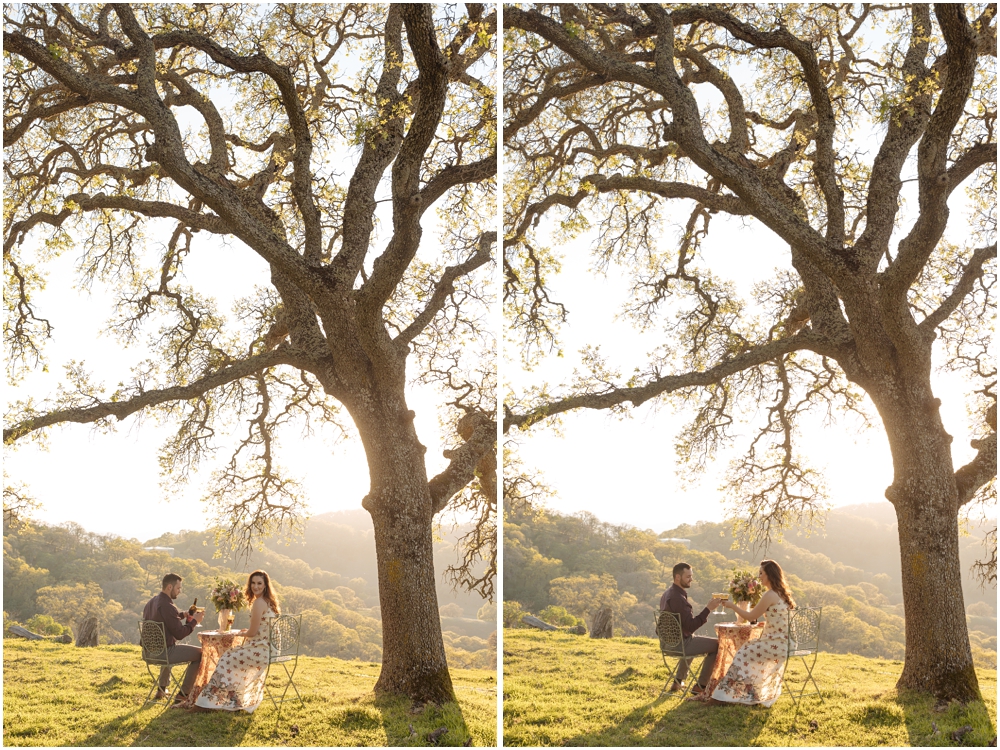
562,689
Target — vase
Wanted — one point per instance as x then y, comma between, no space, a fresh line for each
743,605
224,620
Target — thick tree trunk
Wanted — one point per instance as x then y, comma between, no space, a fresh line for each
924,493
413,657
938,654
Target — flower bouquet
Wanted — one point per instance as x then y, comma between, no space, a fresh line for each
744,586
227,596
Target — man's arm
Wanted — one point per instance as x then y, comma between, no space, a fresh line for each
681,606
171,617
690,623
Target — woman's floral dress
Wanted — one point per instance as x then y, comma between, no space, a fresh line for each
754,677
238,681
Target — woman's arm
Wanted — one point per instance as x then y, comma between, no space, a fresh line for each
769,598
256,615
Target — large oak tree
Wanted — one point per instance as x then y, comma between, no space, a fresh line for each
807,121
278,129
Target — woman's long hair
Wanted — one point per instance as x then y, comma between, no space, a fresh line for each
268,594
777,582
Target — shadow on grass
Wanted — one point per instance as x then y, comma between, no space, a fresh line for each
156,726
929,727
668,720
406,726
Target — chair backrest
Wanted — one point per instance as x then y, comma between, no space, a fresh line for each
803,629
668,628
284,638
153,639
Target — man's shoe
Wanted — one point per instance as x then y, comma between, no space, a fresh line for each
676,687
180,698
697,690
161,695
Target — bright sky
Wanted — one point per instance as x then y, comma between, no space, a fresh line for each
109,483
625,471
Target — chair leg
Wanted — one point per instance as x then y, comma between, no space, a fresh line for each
173,685
277,703
671,671
811,678
798,697
672,676
291,682
691,671
156,685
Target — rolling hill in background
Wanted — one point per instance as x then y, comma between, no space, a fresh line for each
55,575
564,567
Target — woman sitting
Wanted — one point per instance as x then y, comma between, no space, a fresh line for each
238,680
754,677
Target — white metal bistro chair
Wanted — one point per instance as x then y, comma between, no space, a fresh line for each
153,639
668,629
803,642
284,650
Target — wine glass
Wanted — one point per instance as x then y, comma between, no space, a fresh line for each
720,609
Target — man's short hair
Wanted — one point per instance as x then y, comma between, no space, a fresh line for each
170,579
680,568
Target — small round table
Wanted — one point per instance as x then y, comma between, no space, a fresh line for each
732,636
214,643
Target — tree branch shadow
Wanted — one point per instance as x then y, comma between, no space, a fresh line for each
155,726
668,720
927,723
406,725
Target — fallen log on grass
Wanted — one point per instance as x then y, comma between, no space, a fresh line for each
25,633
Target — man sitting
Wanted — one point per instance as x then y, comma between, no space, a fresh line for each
675,599
178,625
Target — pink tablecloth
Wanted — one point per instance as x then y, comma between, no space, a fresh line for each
214,644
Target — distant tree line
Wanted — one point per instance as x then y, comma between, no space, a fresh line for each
563,568
54,576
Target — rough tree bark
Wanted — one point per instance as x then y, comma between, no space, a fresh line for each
87,632
924,493
603,624
402,513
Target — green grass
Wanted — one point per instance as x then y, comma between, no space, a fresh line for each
57,694
562,689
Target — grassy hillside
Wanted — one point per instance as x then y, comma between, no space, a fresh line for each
62,695
568,690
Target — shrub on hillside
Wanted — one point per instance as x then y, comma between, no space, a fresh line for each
512,614
482,659
555,615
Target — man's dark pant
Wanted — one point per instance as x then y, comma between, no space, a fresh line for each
178,654
695,646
